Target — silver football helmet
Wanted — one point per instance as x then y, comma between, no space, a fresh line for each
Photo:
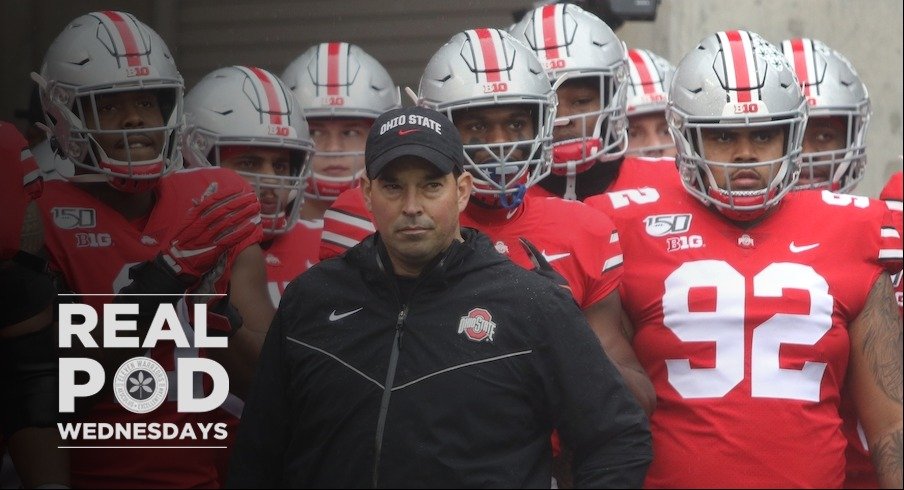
487,67
648,92
650,77
243,106
105,54
339,80
833,89
735,80
573,43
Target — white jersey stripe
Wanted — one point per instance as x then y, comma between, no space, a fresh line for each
329,236
348,219
613,262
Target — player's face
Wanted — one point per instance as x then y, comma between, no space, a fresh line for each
650,131
339,135
264,162
743,145
416,209
495,125
135,109
577,96
825,133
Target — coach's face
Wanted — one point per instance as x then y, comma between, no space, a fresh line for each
415,209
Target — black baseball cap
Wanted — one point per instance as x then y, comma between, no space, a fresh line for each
413,131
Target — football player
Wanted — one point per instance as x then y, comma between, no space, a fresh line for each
124,222
589,68
834,158
246,119
750,307
834,149
648,94
341,89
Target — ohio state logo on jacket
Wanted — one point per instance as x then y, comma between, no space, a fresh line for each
477,325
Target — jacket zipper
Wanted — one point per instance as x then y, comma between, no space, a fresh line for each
387,392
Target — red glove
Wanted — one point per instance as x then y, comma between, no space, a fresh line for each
215,223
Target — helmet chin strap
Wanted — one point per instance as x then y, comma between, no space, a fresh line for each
516,198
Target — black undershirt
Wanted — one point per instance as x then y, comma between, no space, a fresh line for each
595,180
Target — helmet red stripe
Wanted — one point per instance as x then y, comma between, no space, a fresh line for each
488,48
739,55
800,64
273,105
550,40
643,71
332,71
128,38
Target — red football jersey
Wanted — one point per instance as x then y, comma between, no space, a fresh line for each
744,331
633,172
641,171
580,243
345,224
93,246
894,188
19,184
290,254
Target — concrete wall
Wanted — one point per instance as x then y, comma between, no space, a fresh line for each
205,34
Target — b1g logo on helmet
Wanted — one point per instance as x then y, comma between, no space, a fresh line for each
478,325
137,71
667,224
282,131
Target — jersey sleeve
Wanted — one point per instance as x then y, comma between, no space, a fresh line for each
890,243
599,255
20,183
894,189
345,224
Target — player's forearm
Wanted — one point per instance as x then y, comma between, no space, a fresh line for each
886,452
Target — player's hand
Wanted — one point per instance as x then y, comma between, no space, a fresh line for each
217,221
223,319
541,266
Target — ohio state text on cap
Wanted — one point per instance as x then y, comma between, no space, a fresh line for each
413,131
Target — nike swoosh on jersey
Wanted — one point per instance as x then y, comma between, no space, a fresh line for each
803,248
554,257
335,317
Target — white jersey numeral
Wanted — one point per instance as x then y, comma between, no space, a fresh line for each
725,327
643,195
845,200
